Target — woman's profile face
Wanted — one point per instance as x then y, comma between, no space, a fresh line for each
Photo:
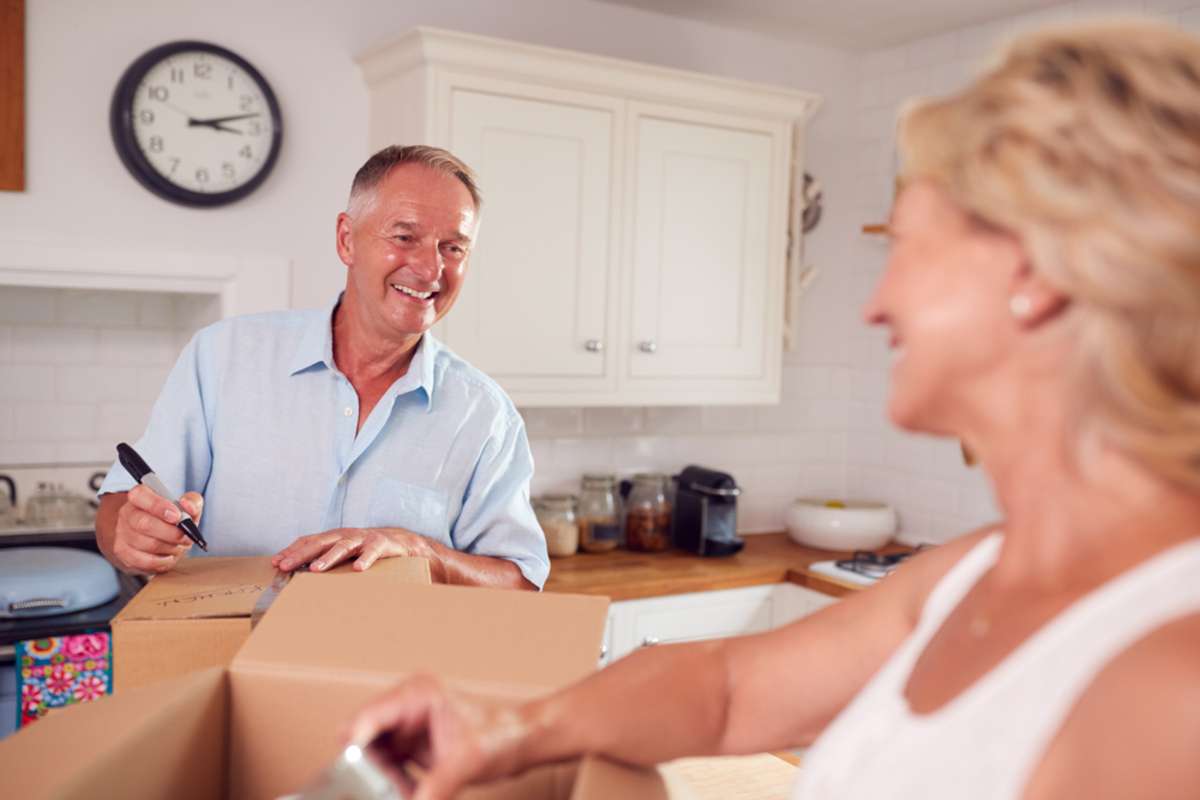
944,296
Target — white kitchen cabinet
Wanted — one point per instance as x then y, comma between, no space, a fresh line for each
634,624
689,617
704,313
535,312
793,602
633,247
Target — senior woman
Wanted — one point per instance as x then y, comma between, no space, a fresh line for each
1043,299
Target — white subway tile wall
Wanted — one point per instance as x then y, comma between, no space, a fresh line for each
776,453
79,370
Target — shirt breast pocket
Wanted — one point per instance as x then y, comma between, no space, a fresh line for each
396,504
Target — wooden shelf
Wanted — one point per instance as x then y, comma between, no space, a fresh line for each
877,229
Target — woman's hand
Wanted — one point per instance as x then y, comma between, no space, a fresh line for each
323,551
454,740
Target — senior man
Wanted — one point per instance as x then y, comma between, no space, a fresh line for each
350,428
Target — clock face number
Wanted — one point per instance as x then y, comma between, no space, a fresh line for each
202,122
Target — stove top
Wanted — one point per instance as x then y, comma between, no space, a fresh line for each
863,568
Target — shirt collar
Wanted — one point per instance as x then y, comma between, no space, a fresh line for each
316,347
420,373
316,342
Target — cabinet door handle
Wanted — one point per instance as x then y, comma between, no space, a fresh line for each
603,652
594,346
650,641
648,346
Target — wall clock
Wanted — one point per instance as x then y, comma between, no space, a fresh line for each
196,124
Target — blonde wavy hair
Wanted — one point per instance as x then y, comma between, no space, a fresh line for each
1084,142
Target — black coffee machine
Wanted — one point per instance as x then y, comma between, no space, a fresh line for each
705,518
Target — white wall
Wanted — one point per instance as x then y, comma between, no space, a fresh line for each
924,478
78,192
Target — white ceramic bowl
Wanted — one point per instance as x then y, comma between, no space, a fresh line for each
858,526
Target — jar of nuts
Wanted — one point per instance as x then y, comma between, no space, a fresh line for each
556,515
648,514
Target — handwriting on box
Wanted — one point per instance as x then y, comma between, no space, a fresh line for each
196,597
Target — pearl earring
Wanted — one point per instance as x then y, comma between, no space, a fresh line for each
1020,305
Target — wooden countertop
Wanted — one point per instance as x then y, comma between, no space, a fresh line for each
767,558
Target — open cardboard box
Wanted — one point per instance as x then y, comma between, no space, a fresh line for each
268,724
195,616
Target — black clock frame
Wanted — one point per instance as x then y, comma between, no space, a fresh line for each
121,124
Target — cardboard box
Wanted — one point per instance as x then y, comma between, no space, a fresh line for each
193,617
198,615
267,725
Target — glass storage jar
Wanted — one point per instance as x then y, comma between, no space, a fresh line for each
648,514
556,515
53,506
599,525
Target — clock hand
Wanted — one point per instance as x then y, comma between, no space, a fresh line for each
214,124
173,107
219,120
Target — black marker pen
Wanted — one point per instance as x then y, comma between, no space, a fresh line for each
142,473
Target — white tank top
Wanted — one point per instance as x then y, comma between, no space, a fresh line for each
986,742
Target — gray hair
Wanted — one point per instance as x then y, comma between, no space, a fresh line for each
379,165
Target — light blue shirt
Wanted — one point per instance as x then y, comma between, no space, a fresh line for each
257,417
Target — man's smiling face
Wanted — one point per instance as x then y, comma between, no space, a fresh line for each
406,248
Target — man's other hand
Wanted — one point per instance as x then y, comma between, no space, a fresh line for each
322,551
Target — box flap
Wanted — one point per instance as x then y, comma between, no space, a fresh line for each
373,623
756,777
753,777
202,587
165,740
598,779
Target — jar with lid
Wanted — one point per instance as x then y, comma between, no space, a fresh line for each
556,515
599,525
54,506
648,514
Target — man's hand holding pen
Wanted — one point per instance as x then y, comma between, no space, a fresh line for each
146,539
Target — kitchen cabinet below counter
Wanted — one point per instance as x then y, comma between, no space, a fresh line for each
768,558
665,598
696,616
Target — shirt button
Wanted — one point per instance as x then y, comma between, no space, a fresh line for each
347,411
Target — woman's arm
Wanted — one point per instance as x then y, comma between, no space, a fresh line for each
743,695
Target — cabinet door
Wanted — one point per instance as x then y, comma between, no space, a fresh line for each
796,602
534,311
707,229
689,617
